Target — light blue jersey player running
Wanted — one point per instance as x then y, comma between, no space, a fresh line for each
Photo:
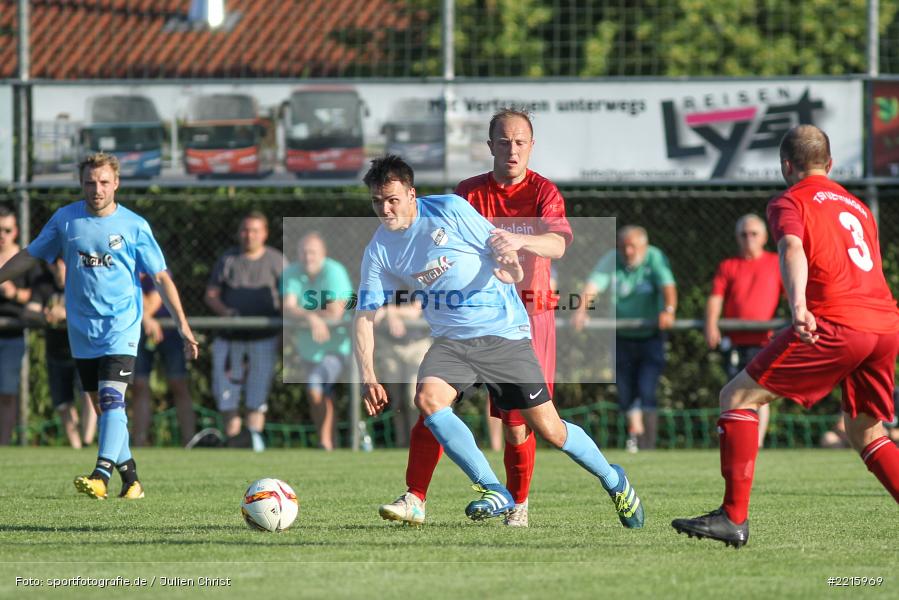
437,249
105,247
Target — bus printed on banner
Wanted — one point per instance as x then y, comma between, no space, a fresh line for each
225,135
128,127
323,132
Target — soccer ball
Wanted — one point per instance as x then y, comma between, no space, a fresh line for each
269,505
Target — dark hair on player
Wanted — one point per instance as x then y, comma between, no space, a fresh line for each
97,160
806,146
389,168
6,211
507,113
255,215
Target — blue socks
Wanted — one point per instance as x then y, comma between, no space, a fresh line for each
584,451
459,445
113,438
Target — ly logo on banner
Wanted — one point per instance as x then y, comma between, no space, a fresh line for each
710,126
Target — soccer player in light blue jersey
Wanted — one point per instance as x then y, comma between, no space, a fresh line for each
105,247
437,249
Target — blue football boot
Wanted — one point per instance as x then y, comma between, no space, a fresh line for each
627,504
495,501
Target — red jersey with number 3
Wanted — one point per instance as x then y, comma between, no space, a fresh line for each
845,276
532,207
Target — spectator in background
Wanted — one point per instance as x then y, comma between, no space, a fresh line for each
246,282
401,351
166,344
48,307
748,287
316,290
644,289
14,294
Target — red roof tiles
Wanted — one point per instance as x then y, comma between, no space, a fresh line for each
73,39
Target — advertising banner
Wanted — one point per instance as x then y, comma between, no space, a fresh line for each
885,128
585,131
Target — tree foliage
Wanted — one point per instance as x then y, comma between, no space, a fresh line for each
594,38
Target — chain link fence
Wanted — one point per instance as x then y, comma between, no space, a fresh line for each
492,38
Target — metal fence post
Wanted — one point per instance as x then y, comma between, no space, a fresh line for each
24,51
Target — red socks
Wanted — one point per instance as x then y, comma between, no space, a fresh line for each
882,458
519,461
424,454
738,432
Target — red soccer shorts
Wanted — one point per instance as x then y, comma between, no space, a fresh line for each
543,341
862,363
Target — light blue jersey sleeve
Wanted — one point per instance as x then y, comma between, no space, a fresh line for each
371,286
47,245
148,254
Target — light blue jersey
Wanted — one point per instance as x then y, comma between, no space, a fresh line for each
104,257
443,261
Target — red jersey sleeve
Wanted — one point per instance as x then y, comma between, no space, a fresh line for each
785,218
551,210
720,281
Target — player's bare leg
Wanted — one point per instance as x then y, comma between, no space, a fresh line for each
764,418
494,430
738,431
867,436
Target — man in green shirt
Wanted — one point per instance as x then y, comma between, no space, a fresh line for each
642,286
316,289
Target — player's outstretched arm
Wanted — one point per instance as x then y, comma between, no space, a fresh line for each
548,245
17,265
794,272
172,301
374,396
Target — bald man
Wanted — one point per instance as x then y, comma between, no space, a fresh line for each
746,286
845,331
644,288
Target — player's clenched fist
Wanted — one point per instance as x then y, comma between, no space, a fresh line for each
374,396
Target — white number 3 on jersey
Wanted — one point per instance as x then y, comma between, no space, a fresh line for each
860,253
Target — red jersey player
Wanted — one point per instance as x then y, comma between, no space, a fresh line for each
529,213
845,331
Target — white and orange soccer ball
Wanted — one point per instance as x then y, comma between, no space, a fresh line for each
269,505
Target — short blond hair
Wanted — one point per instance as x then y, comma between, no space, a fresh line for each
97,160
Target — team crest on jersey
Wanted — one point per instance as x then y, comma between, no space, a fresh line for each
433,271
439,236
116,241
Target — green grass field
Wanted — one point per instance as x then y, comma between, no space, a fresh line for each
815,514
